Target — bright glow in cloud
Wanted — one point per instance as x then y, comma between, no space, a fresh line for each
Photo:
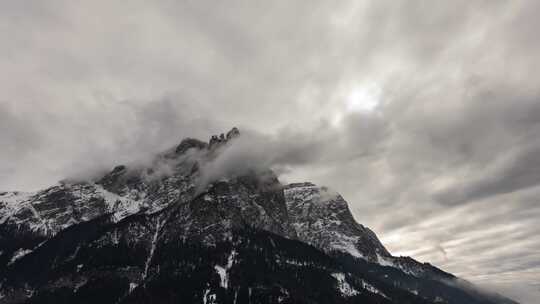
363,98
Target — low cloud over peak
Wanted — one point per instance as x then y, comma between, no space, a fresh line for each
424,116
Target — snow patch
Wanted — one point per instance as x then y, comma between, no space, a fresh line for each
372,289
132,286
120,206
222,275
11,202
223,271
78,285
294,262
344,287
18,255
345,243
209,298
384,261
159,224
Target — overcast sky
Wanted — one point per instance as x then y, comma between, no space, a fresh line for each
425,115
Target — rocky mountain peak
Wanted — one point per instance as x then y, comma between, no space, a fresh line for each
322,218
190,143
216,141
234,132
136,234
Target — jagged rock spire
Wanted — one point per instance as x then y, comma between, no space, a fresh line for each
217,141
234,132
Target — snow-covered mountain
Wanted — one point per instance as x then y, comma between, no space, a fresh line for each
160,233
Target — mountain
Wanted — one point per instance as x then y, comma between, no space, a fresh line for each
163,233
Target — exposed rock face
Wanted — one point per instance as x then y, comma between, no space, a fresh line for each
233,133
216,141
322,218
232,205
190,143
151,235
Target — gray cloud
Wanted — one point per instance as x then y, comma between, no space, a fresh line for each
447,159
288,149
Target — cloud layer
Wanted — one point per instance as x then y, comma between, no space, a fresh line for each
444,164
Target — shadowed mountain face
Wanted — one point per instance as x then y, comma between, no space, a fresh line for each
160,234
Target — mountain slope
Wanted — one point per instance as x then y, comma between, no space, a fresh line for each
323,219
159,234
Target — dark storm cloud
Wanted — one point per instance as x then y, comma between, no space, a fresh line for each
454,133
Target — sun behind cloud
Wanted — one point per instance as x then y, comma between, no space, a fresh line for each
363,98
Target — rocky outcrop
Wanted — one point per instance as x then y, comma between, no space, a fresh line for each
233,133
322,218
217,141
190,143
150,234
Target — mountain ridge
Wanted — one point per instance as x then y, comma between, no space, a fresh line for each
162,205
